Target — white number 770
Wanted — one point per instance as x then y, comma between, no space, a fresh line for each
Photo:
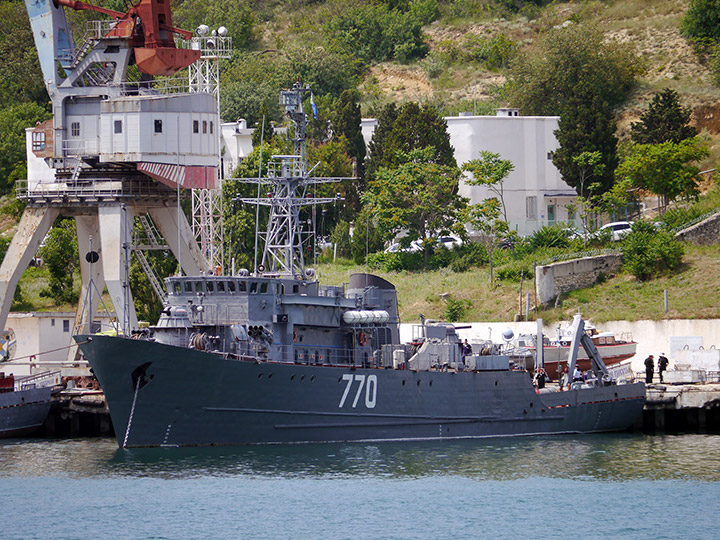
370,389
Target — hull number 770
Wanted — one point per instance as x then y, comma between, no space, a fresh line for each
368,383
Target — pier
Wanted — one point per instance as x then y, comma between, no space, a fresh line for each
681,408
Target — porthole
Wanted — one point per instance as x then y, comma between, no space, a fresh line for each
292,377
496,383
403,383
430,383
302,377
270,376
312,379
418,383
259,375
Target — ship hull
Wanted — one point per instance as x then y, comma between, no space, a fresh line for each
24,411
164,395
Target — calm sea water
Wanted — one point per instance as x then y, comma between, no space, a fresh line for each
600,486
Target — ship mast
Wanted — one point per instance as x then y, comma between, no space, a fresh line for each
290,191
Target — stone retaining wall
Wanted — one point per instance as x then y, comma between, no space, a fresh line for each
704,233
554,279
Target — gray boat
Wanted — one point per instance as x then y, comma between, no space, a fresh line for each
24,405
271,356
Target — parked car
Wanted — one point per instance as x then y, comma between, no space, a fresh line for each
618,229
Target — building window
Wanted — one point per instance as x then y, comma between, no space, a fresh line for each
118,126
196,126
204,126
38,141
66,325
550,156
75,129
531,207
551,214
158,126
211,128
52,322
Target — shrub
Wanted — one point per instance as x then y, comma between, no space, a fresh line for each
550,236
341,238
648,252
676,217
702,20
455,309
515,272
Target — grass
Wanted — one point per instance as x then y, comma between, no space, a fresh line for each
693,292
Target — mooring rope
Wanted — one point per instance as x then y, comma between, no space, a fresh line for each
132,411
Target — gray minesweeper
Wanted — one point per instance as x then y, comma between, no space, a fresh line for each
273,357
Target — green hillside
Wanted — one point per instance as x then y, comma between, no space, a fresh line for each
464,55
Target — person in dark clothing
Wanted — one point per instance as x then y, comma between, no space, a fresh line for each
540,378
649,368
466,349
662,365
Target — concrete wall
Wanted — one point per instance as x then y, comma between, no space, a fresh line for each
554,279
652,337
704,233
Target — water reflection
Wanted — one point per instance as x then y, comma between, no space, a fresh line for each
595,457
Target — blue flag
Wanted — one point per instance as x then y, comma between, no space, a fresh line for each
314,108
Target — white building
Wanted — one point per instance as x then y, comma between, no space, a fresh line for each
39,340
235,145
534,193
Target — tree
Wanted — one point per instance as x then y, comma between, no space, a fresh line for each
485,219
490,171
366,237
419,196
648,251
702,20
586,125
347,121
60,256
666,169
411,127
665,120
147,305
264,131
542,83
21,79
13,122
378,142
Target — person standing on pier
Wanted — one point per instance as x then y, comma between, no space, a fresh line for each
662,365
649,368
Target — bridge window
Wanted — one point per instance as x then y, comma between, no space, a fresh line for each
253,287
75,129
210,286
188,286
241,285
177,287
221,287
231,286
263,288
199,286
